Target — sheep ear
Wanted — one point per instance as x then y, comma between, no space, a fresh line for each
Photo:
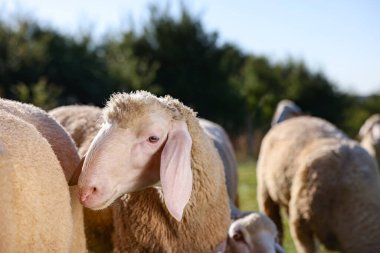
175,171
75,176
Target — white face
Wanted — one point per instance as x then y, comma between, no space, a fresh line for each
122,160
242,240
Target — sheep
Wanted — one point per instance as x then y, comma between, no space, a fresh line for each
153,154
224,147
83,122
285,109
328,184
253,232
35,213
369,135
63,148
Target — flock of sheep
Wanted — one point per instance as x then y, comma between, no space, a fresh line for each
155,178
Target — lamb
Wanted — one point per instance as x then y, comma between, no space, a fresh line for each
33,191
64,150
144,140
285,109
253,232
328,184
83,122
369,135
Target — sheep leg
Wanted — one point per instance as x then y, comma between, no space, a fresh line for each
271,209
302,234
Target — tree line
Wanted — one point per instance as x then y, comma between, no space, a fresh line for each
169,55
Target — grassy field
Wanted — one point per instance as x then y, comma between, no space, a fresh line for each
247,195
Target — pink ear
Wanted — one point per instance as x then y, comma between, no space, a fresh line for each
175,172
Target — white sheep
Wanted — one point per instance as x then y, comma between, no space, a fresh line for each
35,213
369,135
64,150
143,141
253,232
328,184
285,109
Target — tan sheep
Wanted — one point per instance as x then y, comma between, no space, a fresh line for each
285,109
369,135
253,232
328,184
143,141
35,213
83,122
65,151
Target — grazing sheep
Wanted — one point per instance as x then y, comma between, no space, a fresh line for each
65,151
369,135
83,122
144,141
285,109
328,184
35,213
253,232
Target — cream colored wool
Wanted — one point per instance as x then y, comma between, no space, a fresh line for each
35,213
328,184
83,122
53,132
142,222
368,140
65,151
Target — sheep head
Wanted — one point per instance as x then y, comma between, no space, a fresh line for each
253,233
144,141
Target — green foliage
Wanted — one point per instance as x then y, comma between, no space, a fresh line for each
170,55
191,66
40,94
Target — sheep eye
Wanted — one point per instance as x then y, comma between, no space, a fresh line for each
238,236
153,139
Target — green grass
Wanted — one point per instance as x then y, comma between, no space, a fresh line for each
248,202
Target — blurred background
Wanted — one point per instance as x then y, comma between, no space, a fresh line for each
232,61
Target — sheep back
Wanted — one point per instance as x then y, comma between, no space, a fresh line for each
60,141
35,214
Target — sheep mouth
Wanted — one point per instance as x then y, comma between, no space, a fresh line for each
107,202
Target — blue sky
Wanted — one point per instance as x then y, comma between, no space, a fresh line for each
338,37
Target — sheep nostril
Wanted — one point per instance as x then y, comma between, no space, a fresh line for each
85,192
